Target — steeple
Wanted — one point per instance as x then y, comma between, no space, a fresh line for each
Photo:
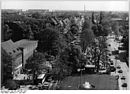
84,8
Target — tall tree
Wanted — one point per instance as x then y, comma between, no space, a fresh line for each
50,41
6,31
86,37
115,28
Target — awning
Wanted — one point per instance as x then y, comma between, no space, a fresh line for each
90,66
41,76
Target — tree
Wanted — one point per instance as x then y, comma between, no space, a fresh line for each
17,31
87,37
115,28
37,64
60,70
68,62
36,15
74,29
6,32
100,25
12,85
99,51
28,33
50,41
87,24
125,45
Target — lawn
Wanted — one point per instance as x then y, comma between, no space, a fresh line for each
101,82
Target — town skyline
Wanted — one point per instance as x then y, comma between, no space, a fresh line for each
67,5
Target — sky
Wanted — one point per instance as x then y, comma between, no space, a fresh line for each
66,5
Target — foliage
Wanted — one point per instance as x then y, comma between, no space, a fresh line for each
87,24
115,28
6,32
50,41
74,29
36,64
100,25
87,37
11,85
69,61
36,15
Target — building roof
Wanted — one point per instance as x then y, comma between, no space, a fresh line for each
25,43
13,49
90,66
10,48
41,76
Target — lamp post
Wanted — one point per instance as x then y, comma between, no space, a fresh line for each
81,75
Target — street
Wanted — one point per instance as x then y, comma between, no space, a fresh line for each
117,62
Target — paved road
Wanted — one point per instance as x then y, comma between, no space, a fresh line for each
114,46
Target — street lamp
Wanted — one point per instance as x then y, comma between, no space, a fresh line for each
80,70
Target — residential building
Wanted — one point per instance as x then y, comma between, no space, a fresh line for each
27,47
19,51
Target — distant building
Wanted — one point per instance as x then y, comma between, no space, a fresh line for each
19,51
116,19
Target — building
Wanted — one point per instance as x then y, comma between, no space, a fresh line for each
19,51
15,53
27,47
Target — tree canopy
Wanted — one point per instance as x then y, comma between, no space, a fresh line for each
50,41
87,36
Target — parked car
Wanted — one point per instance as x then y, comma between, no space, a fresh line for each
109,44
111,63
118,67
120,71
112,69
87,86
123,78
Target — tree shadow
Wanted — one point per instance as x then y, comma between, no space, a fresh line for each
122,56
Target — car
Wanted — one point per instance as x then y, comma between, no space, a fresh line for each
103,71
109,54
124,85
123,78
33,88
86,86
112,69
120,71
109,44
111,63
